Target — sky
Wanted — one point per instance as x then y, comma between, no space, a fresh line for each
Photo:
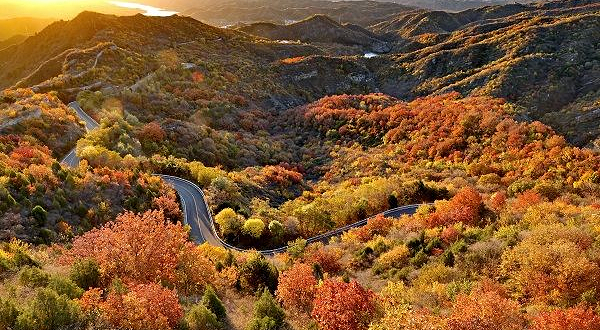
67,9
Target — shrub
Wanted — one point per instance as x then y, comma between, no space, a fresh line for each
419,259
85,273
40,215
8,314
267,314
326,257
65,287
33,277
276,229
200,317
296,248
49,311
253,228
482,257
228,221
213,303
397,257
257,272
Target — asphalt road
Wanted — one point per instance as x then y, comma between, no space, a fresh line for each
71,158
195,209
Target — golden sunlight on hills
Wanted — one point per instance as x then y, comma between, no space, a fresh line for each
66,9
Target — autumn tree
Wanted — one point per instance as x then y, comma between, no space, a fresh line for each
152,132
328,258
465,207
253,228
575,318
169,205
143,307
229,222
343,306
194,271
398,314
485,309
551,265
144,248
296,288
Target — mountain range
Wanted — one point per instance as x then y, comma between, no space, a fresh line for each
484,51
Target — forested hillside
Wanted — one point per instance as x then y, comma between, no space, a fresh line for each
272,135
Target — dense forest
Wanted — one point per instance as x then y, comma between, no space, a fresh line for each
512,225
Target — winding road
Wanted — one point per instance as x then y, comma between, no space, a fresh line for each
195,209
71,158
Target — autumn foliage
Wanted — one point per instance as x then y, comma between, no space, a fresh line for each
486,310
378,225
143,307
343,306
143,248
575,318
296,288
464,207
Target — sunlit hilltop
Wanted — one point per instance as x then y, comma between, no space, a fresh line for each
66,9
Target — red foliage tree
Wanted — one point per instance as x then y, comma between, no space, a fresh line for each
326,257
152,132
137,247
143,307
527,199
486,308
378,225
464,207
498,201
343,306
296,288
575,318
168,204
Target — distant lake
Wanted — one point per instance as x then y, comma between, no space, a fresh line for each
147,10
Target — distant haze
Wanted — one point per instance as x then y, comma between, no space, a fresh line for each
67,9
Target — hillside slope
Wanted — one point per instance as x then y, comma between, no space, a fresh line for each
232,12
22,25
544,59
318,28
52,51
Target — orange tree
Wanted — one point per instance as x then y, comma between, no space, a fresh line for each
144,248
296,288
343,306
575,318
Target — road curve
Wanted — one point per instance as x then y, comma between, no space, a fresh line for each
71,158
195,208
